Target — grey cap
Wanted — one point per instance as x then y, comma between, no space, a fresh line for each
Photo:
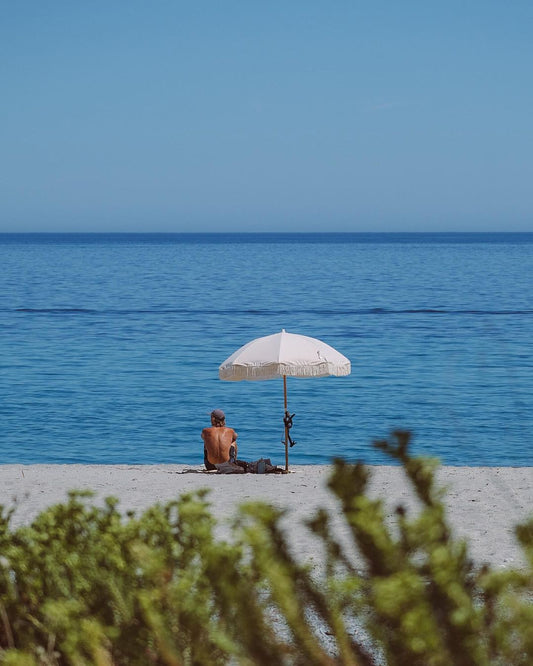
218,414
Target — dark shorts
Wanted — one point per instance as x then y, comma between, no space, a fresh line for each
209,466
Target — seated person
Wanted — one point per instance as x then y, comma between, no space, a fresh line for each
220,442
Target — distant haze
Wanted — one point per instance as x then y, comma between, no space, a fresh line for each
275,116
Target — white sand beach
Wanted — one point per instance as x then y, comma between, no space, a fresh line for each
484,503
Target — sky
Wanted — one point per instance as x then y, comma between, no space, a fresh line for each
172,116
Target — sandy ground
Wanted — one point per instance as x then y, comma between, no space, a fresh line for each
484,503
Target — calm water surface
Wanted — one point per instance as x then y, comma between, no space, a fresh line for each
110,344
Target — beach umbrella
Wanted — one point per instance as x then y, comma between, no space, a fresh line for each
284,355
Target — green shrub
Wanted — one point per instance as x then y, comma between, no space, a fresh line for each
84,585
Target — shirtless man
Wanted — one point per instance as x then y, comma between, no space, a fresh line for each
220,442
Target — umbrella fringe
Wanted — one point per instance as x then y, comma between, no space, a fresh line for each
273,371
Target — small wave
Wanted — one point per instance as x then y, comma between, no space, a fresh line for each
269,312
56,310
402,311
456,312
102,312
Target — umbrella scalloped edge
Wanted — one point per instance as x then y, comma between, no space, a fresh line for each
237,373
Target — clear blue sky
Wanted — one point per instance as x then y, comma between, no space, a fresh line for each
266,116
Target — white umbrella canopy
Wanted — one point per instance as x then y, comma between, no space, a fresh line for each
284,355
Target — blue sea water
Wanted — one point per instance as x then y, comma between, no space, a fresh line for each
110,344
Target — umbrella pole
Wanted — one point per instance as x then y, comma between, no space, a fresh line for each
286,426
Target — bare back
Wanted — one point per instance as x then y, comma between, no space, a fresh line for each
217,443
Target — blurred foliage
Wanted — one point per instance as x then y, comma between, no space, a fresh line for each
85,585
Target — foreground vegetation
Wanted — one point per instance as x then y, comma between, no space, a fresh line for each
86,585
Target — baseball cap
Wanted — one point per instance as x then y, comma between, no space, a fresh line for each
218,414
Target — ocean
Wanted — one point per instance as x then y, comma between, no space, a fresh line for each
110,345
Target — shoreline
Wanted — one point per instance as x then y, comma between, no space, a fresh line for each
483,503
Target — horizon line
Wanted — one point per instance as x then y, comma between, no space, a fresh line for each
254,233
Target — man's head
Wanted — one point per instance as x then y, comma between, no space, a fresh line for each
218,418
